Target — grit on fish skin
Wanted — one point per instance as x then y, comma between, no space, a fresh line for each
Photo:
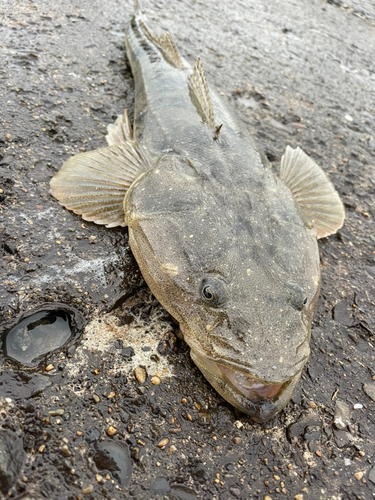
226,246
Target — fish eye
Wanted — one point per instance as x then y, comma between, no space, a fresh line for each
206,291
213,291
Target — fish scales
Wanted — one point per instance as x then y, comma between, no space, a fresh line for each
226,246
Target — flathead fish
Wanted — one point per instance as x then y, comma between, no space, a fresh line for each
226,246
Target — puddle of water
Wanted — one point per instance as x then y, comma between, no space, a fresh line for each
37,335
115,458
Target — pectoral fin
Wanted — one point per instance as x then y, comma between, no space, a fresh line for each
315,194
94,184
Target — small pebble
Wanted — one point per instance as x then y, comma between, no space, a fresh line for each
267,497
358,475
370,390
236,439
65,450
49,367
55,413
41,448
318,453
172,448
357,406
163,442
342,414
111,395
79,433
298,497
276,478
96,398
140,374
111,431
88,489
236,492
99,478
155,380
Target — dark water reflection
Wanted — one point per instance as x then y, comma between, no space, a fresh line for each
37,335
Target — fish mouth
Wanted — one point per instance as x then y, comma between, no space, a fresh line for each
252,388
259,399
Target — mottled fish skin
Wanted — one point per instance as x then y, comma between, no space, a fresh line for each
213,210
226,247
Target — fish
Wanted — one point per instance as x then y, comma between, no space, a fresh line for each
226,245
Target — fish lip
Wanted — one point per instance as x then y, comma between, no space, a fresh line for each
260,410
247,370
253,388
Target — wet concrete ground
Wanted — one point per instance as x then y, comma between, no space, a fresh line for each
298,73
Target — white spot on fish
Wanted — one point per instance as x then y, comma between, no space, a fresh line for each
169,268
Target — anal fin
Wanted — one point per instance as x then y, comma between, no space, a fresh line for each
314,193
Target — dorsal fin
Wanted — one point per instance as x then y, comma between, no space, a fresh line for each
313,191
166,43
201,93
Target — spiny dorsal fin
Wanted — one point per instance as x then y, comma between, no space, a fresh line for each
166,43
199,87
313,191
119,132
94,184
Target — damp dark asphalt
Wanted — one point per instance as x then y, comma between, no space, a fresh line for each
81,423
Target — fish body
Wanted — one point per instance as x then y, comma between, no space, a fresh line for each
226,246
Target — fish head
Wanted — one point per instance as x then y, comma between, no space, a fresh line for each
243,286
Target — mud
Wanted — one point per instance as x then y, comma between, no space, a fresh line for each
298,73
